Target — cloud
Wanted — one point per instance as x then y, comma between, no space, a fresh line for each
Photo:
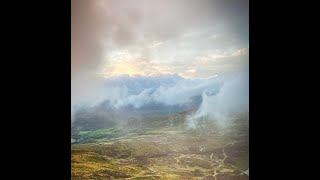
155,38
121,91
232,100
214,61
133,65
217,98
102,26
214,36
155,45
217,62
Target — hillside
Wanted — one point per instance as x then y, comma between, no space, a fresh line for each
162,147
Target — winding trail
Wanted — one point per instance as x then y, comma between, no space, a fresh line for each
225,156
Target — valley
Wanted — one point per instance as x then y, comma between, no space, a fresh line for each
163,147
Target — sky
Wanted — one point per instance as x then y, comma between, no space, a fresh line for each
192,39
142,37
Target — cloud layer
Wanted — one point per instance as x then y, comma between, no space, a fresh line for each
216,98
232,100
188,41
185,37
170,90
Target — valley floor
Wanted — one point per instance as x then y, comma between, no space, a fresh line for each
167,152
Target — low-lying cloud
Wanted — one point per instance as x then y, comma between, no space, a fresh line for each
214,97
168,90
232,100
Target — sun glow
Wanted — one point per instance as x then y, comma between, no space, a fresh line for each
122,68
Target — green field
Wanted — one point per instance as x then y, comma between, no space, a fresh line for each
96,135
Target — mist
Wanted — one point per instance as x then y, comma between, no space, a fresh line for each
187,43
231,102
217,98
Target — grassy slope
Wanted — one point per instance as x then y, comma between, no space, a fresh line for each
166,152
96,135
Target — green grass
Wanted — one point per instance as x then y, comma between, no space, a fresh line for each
94,136
101,132
84,132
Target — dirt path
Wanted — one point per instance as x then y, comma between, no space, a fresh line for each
225,156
